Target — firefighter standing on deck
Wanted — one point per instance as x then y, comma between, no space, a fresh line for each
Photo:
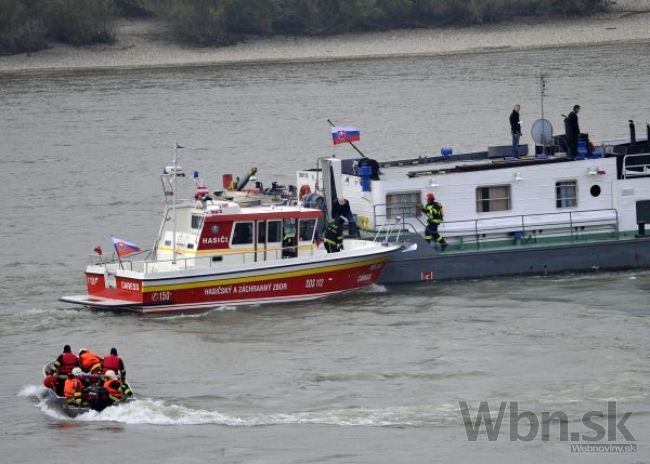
334,236
435,214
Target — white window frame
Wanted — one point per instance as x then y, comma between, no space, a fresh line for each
402,208
490,201
560,200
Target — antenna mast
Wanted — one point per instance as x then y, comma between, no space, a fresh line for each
542,93
176,148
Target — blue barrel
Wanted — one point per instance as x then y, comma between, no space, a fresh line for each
446,151
365,172
582,148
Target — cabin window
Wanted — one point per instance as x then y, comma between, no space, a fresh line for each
493,198
243,234
307,229
289,226
566,194
196,221
402,204
274,234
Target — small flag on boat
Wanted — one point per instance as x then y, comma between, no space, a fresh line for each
345,134
123,247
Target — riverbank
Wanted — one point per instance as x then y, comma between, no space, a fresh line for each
144,43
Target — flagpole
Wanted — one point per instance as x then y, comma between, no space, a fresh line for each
119,259
351,143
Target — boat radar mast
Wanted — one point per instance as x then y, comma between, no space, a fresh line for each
175,161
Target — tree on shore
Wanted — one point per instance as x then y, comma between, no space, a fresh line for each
26,25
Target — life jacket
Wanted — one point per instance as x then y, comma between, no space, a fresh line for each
112,363
72,388
68,362
50,382
112,386
434,212
89,361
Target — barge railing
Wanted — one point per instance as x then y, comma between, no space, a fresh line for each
522,228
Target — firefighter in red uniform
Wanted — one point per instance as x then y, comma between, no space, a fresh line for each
114,363
63,366
89,361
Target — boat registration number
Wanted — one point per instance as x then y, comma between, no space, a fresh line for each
314,283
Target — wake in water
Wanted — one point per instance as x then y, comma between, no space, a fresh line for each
39,393
374,288
157,412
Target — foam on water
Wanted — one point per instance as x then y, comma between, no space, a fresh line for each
374,288
39,393
157,412
199,315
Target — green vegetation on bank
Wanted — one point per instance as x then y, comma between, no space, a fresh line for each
28,25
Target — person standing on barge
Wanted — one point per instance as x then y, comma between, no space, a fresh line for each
435,215
572,132
515,129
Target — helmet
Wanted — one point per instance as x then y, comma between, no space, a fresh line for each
76,371
83,350
110,374
430,197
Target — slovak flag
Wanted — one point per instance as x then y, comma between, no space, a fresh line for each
124,248
345,134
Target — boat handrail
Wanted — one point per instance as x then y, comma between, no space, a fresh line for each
396,230
635,170
407,209
519,225
99,260
191,262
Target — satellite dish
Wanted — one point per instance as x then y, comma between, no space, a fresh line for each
542,132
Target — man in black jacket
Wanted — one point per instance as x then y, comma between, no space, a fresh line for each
515,129
572,132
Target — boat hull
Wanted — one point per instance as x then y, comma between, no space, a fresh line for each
187,292
426,264
71,410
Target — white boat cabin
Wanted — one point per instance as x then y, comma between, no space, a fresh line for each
224,232
494,198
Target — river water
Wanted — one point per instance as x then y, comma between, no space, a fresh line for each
375,376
